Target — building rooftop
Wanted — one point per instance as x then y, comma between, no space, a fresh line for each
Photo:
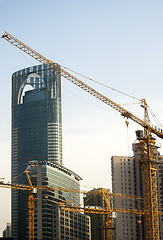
54,165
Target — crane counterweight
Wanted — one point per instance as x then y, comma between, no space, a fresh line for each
148,145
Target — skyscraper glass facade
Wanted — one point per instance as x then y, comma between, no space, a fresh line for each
36,130
47,173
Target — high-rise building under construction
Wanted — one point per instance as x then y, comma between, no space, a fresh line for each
102,225
36,130
127,179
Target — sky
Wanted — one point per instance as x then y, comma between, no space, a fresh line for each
118,43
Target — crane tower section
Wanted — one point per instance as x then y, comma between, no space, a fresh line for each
148,143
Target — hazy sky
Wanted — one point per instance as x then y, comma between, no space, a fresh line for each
118,43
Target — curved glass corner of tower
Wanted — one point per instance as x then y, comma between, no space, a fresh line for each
36,129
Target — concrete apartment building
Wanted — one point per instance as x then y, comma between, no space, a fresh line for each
123,182
127,179
139,186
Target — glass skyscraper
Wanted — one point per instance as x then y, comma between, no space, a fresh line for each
46,220
36,131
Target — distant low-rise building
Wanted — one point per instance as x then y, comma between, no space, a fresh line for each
7,231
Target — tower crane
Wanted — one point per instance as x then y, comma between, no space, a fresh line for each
31,190
108,222
147,141
106,212
31,208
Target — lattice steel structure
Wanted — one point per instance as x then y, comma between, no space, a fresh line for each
149,169
152,209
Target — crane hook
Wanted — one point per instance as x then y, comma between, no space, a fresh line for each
127,123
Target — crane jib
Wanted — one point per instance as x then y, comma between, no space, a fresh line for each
147,142
78,82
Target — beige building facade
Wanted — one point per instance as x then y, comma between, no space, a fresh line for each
127,179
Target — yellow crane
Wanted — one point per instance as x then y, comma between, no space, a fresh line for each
108,212
147,141
31,208
33,190
108,221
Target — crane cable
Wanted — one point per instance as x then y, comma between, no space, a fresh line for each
82,76
104,85
15,178
100,83
155,117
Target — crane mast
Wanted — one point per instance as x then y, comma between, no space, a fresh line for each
106,212
147,142
31,208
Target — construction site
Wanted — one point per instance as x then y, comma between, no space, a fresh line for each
46,196
81,120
